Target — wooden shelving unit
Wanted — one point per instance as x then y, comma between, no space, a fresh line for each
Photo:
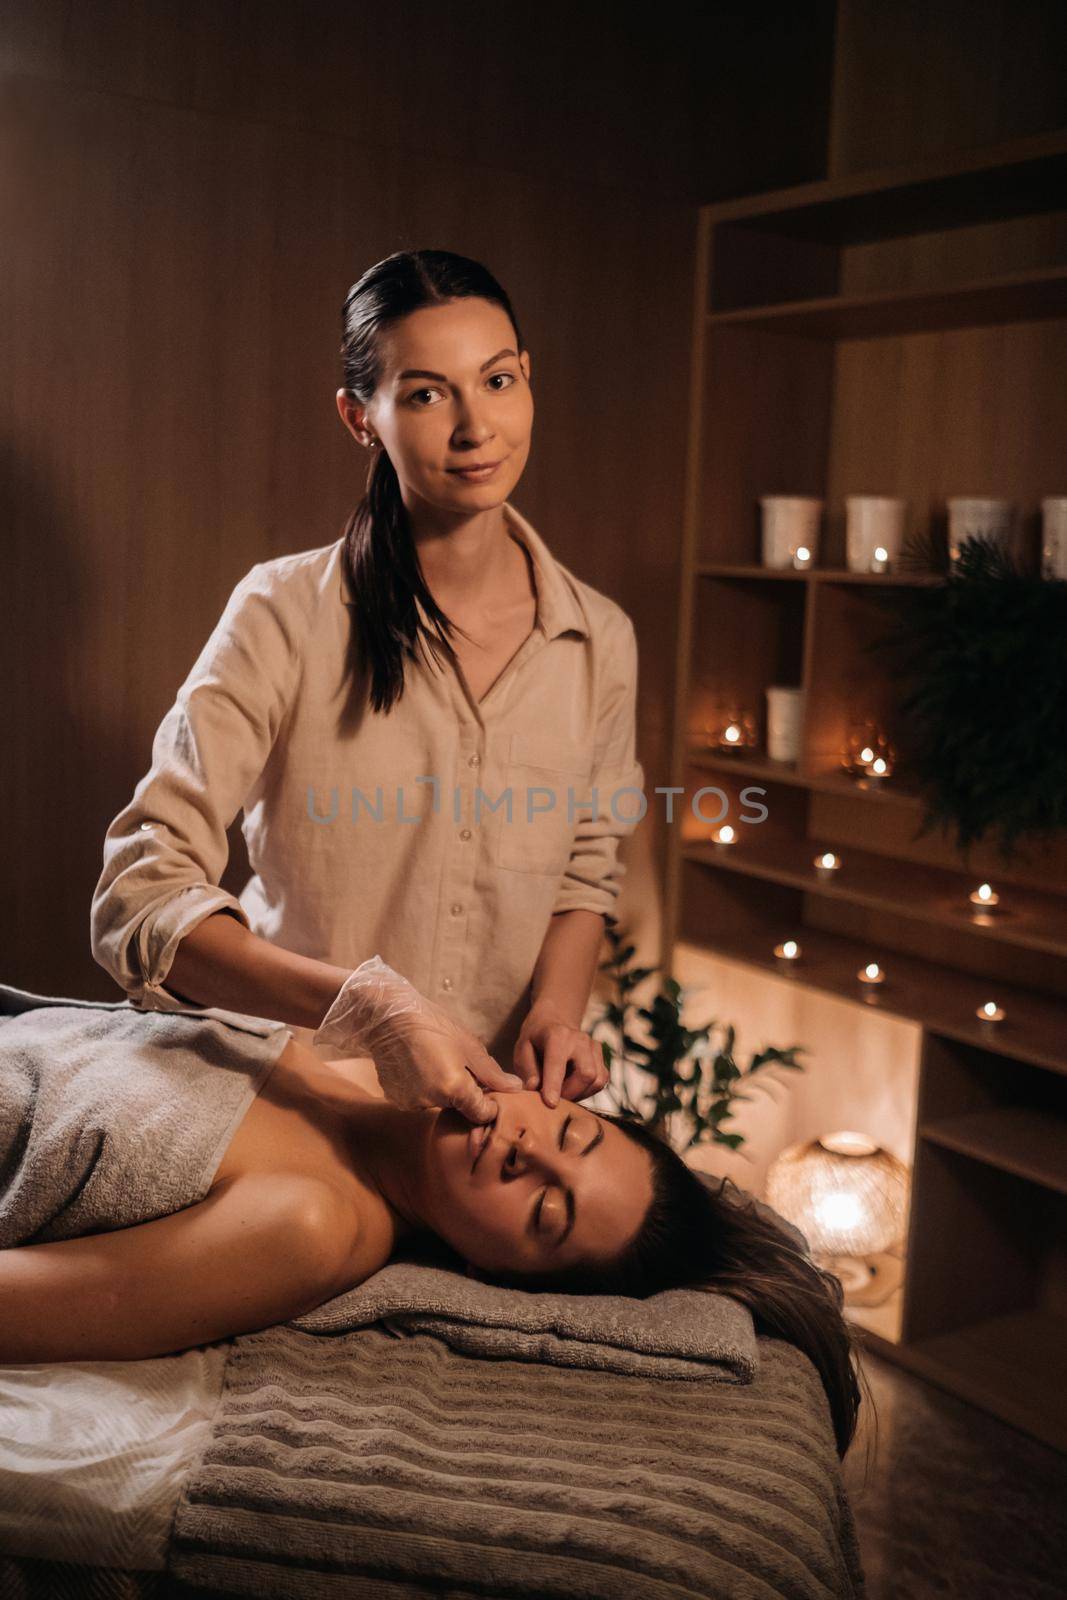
903,332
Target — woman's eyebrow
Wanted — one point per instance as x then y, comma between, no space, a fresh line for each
568,1192
420,372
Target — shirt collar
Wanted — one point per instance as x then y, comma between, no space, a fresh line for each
558,610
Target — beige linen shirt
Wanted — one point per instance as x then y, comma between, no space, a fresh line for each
384,833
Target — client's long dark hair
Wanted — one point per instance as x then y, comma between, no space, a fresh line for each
701,1237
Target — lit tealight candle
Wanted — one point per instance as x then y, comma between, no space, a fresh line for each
990,1012
878,769
725,837
731,736
827,864
789,951
984,897
871,973
802,556
880,559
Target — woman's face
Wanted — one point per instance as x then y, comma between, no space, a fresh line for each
540,1189
477,407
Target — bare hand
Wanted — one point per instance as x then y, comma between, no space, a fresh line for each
557,1057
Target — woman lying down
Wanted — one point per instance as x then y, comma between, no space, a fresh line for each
172,1179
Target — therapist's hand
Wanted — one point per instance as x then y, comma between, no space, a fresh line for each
558,1058
423,1056
439,1062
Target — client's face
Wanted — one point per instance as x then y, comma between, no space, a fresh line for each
541,1188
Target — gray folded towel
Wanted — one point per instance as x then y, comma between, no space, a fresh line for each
681,1333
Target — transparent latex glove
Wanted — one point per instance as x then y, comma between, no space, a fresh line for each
423,1056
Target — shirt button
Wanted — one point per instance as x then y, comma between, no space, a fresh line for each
464,833
474,761
456,909
446,983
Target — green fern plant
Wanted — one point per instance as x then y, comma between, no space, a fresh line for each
693,1082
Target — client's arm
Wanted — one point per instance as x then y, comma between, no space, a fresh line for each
258,1250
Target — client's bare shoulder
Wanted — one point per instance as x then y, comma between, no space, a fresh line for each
296,1128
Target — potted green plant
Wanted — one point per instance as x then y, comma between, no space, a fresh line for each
982,669
694,1083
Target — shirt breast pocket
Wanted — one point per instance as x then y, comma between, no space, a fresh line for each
548,777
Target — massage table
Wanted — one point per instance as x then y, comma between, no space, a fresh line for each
422,1434
383,1462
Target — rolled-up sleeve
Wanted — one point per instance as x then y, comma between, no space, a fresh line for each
166,851
594,874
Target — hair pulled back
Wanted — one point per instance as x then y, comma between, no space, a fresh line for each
379,551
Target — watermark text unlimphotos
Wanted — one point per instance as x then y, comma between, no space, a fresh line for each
709,804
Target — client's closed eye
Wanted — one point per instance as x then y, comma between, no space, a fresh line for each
566,1191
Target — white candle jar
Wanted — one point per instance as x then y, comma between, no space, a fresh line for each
785,715
978,518
789,521
1054,536
872,522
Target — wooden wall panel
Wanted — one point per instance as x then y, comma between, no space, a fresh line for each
190,191
917,78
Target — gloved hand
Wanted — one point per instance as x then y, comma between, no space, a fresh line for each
423,1056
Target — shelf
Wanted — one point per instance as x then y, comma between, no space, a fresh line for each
881,580
1031,1144
938,998
723,569
757,765
807,376
1014,1365
1015,178
888,883
1038,292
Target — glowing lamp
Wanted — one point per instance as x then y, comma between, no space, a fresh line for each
847,1196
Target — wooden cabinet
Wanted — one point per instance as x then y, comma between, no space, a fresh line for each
903,333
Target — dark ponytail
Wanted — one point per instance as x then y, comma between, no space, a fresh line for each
379,554
695,1235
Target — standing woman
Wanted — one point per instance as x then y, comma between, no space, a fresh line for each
370,705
